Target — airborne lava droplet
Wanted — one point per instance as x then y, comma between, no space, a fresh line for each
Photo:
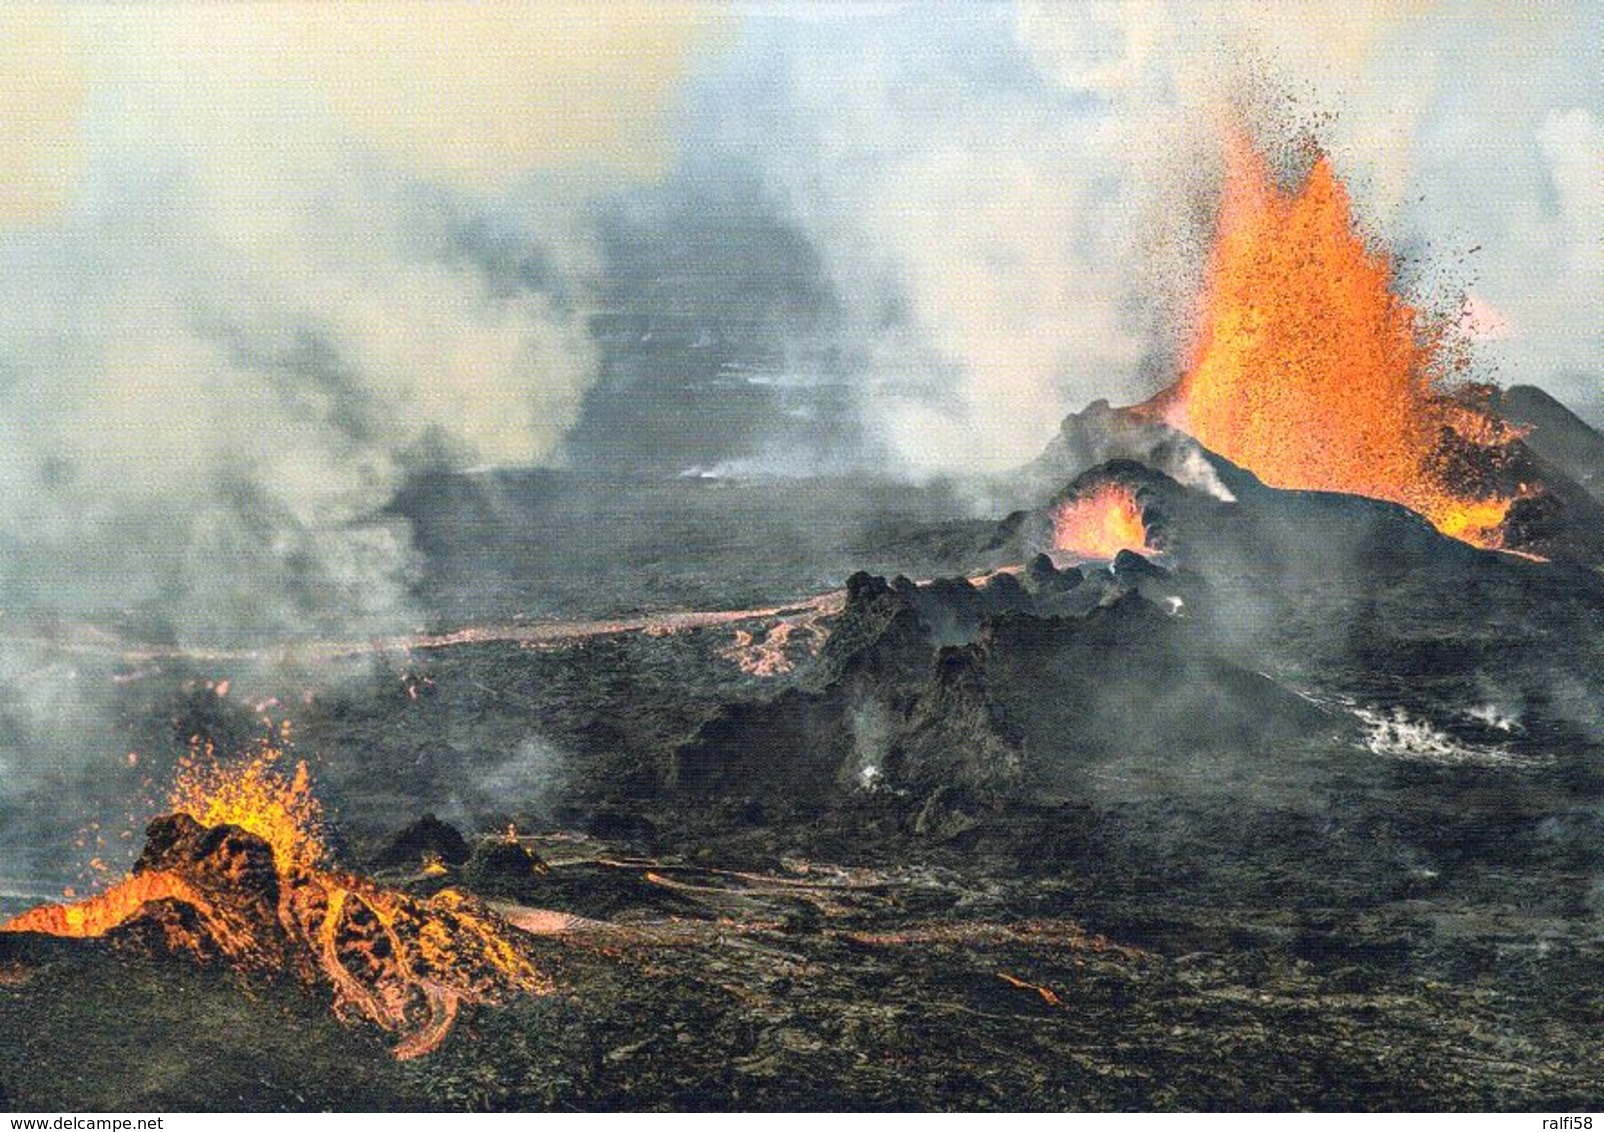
257,795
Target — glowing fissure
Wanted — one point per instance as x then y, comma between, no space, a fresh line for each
99,914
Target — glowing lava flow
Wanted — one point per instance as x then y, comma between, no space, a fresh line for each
99,914
237,873
1308,370
1100,523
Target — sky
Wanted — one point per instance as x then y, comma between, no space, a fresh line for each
260,263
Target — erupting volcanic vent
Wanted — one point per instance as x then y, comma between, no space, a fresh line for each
1100,523
237,873
257,796
1308,370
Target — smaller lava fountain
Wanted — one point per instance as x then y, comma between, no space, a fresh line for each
1099,523
238,872
257,796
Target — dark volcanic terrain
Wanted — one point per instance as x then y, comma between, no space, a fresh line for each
1302,809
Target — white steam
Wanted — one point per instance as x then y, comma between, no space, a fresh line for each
1397,734
256,315
976,246
1014,202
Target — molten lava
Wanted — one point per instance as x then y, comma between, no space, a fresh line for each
1100,523
258,796
773,653
1308,369
236,873
98,915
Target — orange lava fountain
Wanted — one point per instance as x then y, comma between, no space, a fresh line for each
1100,523
1308,370
238,873
258,796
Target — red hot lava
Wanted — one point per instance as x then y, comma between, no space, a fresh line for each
238,873
1099,523
1310,371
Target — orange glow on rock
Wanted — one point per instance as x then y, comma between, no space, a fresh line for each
99,914
1100,523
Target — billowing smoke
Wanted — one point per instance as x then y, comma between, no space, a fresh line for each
298,252
218,436
259,264
957,199
534,776
1014,201
969,219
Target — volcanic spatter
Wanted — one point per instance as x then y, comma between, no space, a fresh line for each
252,890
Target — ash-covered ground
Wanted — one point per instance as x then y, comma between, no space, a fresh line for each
1304,809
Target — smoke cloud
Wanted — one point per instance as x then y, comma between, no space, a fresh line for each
260,264
1004,204
951,191
283,255
1013,202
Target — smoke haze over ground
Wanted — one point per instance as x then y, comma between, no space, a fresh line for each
263,265
267,268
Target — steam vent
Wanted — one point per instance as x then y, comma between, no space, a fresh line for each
794,557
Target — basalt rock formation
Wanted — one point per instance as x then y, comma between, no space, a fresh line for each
999,688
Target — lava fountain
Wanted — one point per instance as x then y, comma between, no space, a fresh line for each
238,872
257,795
1099,523
1310,371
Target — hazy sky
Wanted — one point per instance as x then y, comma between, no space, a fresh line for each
262,260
